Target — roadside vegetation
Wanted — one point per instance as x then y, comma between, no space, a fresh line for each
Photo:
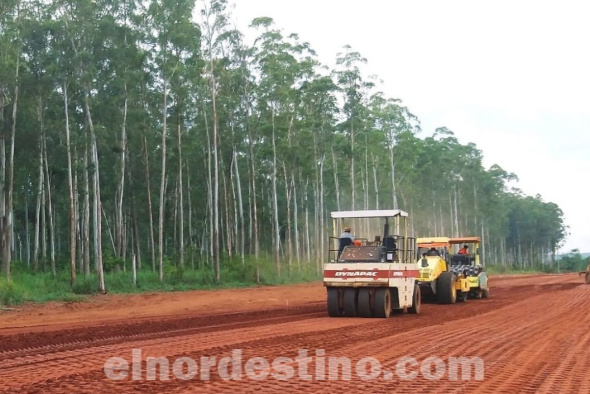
26,287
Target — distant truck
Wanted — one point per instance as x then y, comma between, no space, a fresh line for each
372,278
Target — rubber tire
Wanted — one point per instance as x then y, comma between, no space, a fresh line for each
350,303
445,288
364,303
416,301
485,293
333,308
382,302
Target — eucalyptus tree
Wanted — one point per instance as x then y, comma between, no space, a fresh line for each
318,111
174,39
45,64
76,19
233,89
11,46
215,24
388,119
282,64
354,89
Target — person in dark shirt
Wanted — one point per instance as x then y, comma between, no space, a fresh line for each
432,252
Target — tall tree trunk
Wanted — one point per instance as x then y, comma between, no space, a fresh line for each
175,216
240,206
476,212
121,184
216,216
393,187
7,229
253,195
316,218
322,207
452,222
181,199
457,232
483,245
376,183
296,222
162,185
2,177
136,235
149,202
210,202
336,183
275,205
40,194
307,237
352,179
191,234
366,180
50,211
97,205
70,190
227,202
86,229
27,232
79,220
43,214
289,197
234,198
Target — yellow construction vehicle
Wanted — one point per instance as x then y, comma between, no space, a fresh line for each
436,280
467,262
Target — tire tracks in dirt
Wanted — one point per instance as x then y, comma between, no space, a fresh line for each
531,334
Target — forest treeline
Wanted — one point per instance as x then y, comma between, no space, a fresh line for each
151,131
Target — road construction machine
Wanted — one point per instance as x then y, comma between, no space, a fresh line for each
436,279
371,278
467,262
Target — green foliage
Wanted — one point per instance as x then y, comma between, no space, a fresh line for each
11,293
85,285
574,262
27,287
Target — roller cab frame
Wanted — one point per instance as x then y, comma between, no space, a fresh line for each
377,276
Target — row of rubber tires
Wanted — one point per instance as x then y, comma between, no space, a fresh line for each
365,302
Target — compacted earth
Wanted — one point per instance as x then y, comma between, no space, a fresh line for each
531,335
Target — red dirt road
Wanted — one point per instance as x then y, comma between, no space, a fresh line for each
532,334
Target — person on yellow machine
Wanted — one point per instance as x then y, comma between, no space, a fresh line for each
432,252
463,250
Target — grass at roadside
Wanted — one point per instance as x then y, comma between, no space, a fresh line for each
25,287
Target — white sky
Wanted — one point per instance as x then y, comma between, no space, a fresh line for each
511,76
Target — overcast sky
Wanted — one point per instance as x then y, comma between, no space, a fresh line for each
511,76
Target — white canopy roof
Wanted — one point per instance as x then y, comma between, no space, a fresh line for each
369,214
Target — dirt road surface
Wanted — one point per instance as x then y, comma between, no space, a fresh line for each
532,336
